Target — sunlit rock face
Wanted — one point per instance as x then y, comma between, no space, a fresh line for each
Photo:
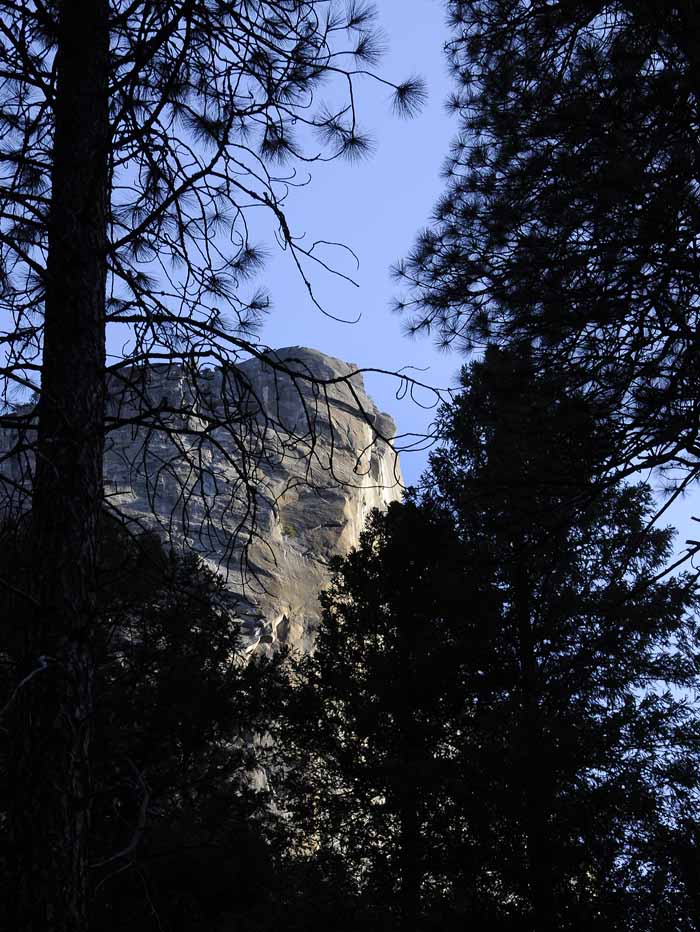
266,474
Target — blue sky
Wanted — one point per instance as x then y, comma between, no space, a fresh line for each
376,207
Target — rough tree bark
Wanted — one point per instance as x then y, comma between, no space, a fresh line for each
51,726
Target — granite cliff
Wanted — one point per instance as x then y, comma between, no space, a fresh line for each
320,463
266,469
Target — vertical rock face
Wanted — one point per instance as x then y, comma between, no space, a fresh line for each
264,473
266,469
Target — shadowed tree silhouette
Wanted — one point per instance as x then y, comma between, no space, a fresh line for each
371,727
139,137
179,808
570,218
496,726
582,746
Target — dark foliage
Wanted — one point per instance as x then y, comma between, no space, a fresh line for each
584,734
372,725
497,726
139,140
179,807
215,108
571,218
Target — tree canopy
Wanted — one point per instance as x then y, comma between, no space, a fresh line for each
180,804
570,218
138,138
497,724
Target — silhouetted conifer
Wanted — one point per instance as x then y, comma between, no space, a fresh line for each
178,817
137,136
582,745
372,724
496,728
571,213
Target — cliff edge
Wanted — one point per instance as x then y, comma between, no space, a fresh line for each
267,500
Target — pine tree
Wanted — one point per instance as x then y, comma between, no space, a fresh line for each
369,731
571,217
581,738
178,817
495,727
137,137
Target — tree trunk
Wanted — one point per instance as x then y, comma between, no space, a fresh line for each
410,862
51,717
408,792
534,777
